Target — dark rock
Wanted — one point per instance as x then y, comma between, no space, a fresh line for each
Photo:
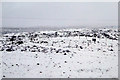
58,50
67,51
9,49
34,46
38,64
56,34
63,72
17,64
20,42
94,40
40,71
44,42
13,38
33,51
3,75
111,49
65,61
94,35
65,54
81,47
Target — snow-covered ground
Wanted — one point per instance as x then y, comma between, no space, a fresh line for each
1,66
0,63
75,53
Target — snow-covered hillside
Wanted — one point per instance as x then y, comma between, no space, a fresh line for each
72,53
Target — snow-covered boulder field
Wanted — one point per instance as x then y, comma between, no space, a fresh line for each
72,53
0,65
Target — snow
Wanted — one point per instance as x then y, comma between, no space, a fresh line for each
0,66
61,57
0,62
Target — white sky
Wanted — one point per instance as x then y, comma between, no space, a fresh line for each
59,0
30,14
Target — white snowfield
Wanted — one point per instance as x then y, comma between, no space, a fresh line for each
75,53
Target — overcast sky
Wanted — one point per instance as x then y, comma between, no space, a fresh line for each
30,14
